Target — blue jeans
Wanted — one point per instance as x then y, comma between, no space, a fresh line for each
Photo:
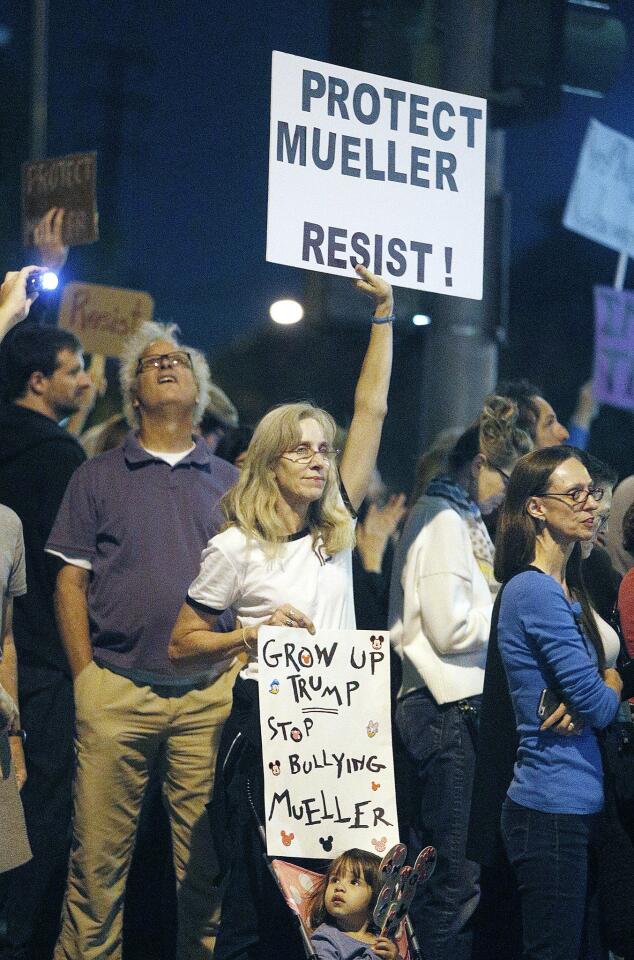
549,854
440,742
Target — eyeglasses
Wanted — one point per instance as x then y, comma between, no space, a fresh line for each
579,495
179,358
304,453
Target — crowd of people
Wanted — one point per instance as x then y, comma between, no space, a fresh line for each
138,562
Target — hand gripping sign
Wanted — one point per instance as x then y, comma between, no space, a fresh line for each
365,169
326,741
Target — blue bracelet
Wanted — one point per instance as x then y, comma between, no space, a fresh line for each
390,319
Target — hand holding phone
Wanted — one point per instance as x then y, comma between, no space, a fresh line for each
557,716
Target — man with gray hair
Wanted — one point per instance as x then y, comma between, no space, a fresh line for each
130,531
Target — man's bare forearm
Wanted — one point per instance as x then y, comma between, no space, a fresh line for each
8,656
71,610
9,669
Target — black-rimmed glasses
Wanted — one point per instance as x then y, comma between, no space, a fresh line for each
579,495
178,358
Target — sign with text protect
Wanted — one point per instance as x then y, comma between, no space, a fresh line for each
103,317
326,742
614,347
69,182
378,171
601,200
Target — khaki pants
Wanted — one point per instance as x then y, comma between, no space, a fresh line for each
123,728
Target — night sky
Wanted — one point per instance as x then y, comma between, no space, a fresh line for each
541,157
553,270
188,181
175,98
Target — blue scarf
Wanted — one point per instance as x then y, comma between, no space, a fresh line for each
481,544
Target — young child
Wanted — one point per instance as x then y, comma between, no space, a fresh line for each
340,910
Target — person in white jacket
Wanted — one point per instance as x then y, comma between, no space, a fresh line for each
441,600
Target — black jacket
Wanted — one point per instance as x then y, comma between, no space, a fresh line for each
37,458
495,759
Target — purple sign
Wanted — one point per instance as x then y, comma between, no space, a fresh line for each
614,347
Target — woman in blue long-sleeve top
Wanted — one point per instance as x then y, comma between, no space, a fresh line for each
548,639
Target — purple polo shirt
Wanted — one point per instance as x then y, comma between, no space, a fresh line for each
142,525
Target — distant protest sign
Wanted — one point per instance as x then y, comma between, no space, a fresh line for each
601,200
69,182
365,169
326,742
614,347
103,317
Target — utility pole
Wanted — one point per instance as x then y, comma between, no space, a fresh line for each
460,360
39,81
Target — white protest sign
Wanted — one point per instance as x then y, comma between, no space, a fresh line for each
601,200
326,742
365,169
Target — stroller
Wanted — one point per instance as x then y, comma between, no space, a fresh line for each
391,910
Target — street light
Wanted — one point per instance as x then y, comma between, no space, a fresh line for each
286,312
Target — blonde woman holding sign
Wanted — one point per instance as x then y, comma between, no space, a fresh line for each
285,559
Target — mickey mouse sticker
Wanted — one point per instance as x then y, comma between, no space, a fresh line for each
274,767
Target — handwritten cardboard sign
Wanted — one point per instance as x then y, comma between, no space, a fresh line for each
365,169
326,742
614,347
69,182
601,200
103,317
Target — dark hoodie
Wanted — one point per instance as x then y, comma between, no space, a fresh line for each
37,458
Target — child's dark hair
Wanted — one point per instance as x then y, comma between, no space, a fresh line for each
361,864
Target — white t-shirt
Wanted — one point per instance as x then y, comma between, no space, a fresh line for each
171,458
235,572
611,642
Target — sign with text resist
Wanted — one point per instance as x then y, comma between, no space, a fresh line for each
326,742
365,169
103,317
614,347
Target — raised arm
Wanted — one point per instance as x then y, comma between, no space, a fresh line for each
14,302
370,397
